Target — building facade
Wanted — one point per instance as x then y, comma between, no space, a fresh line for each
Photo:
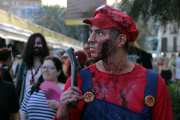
25,9
167,41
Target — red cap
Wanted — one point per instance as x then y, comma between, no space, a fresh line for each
106,17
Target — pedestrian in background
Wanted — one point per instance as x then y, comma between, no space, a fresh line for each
35,106
9,105
167,72
171,60
159,62
139,56
5,61
29,69
177,63
82,57
90,59
87,49
154,64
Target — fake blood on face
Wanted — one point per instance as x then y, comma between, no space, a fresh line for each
106,45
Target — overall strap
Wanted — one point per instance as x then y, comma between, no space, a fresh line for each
150,89
87,80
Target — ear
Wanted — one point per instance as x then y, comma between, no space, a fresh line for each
59,72
121,40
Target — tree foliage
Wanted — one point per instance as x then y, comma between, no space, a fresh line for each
144,33
53,18
174,91
164,11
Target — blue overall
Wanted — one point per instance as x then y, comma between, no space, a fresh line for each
102,110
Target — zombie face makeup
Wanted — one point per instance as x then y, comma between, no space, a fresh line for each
102,43
37,46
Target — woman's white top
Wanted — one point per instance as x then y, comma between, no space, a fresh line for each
177,62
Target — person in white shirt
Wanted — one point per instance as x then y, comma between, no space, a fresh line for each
177,68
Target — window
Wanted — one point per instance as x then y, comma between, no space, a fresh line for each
164,45
14,3
155,46
22,3
174,44
5,3
32,4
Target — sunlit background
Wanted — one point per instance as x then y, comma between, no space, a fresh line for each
64,2
153,38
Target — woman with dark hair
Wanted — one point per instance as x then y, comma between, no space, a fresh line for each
29,69
34,105
82,57
5,61
9,106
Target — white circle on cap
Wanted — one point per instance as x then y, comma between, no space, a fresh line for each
100,7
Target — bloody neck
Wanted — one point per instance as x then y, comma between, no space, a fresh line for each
115,65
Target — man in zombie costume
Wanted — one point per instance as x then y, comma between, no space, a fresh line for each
114,88
29,69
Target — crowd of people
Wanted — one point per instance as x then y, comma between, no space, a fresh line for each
167,67
116,80
34,66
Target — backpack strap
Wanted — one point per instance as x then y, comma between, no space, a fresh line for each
20,80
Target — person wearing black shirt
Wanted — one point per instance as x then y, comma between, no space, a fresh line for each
9,106
5,61
6,76
139,56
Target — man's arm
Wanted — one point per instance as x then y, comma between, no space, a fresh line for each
162,109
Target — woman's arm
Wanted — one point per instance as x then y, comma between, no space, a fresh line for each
15,116
24,117
173,74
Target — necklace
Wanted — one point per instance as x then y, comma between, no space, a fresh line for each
32,80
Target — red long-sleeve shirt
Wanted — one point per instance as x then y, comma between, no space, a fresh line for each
132,85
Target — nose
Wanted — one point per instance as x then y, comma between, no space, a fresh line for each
91,38
35,44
